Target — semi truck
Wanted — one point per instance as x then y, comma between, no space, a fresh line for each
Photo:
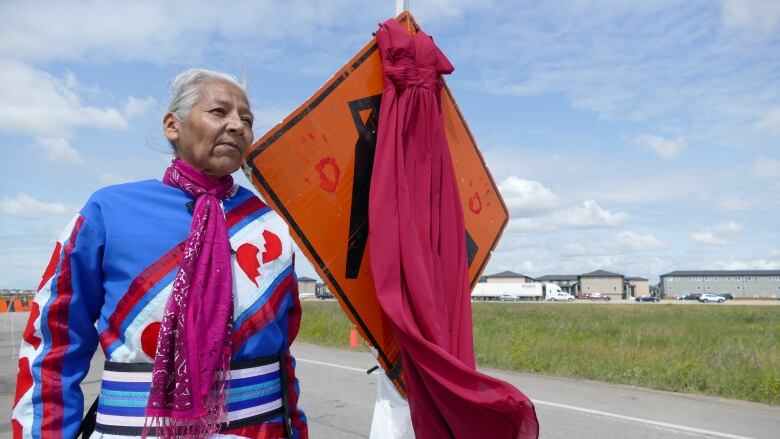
518,291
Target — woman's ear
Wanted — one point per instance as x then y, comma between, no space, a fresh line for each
171,128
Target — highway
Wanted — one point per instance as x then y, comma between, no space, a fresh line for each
338,397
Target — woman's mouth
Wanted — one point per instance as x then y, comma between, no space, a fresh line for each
229,144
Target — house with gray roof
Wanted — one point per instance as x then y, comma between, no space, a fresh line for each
506,276
567,282
603,282
637,286
307,287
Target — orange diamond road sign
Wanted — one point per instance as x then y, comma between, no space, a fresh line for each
315,167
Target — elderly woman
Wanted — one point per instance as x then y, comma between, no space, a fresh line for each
188,285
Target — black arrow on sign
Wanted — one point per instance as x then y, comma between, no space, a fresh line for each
365,147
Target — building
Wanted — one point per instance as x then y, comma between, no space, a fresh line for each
567,282
614,285
604,282
506,276
740,283
637,286
307,287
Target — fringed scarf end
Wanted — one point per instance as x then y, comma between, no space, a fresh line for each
201,427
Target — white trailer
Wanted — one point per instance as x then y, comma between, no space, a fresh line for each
507,291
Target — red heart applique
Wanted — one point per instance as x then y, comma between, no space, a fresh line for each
273,246
24,381
149,338
53,261
29,330
246,255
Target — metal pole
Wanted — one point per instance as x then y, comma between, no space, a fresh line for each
401,6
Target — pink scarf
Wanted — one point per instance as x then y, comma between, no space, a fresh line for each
187,397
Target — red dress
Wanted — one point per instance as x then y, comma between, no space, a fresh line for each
418,254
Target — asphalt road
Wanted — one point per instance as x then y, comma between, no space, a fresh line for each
661,303
338,397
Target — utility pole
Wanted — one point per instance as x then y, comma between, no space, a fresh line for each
401,6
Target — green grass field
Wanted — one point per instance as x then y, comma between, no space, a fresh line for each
729,351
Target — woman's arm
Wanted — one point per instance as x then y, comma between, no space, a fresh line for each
60,337
297,417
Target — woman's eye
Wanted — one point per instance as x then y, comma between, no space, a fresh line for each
247,120
220,111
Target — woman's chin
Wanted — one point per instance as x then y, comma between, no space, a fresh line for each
220,170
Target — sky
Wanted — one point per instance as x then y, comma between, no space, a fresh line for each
634,137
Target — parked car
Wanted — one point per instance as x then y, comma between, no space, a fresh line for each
599,296
647,299
707,297
689,297
727,296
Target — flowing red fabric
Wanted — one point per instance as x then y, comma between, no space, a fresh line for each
418,257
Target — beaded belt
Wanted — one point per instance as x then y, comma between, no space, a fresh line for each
255,393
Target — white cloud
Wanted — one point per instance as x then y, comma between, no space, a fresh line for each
575,249
59,150
107,178
756,17
528,225
588,215
97,29
770,123
729,227
138,106
766,168
734,203
427,10
667,64
666,148
267,115
527,197
717,234
39,104
161,32
26,206
707,238
633,241
749,264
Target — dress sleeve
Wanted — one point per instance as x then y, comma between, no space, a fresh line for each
297,417
60,338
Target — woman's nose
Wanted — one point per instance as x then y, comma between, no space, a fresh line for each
235,124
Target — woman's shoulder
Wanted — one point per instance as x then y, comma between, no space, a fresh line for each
136,189
246,206
244,198
124,197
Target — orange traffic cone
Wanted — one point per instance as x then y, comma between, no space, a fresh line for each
353,338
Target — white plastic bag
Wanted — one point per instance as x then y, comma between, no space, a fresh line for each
391,413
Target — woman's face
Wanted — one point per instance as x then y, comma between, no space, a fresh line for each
217,130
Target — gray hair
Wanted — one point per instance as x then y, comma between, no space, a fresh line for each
185,88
